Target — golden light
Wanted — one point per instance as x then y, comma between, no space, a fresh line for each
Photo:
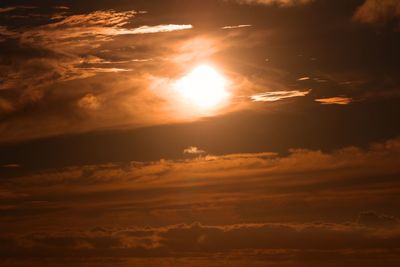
204,87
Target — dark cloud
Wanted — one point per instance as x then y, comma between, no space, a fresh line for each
377,11
282,3
103,162
275,243
304,186
372,219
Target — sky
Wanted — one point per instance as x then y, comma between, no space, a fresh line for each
200,133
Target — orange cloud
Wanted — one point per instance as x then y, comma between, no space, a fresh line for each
278,95
89,101
335,100
236,26
282,3
193,150
257,206
377,11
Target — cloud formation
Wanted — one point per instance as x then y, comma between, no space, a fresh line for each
377,11
12,8
65,41
236,26
256,242
193,150
12,165
158,28
281,3
278,95
258,207
338,100
65,51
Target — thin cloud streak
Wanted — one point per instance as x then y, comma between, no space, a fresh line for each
335,100
12,166
237,26
278,95
193,150
12,8
280,3
157,29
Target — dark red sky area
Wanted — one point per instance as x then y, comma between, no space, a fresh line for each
116,148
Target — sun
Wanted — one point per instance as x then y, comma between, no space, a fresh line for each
204,87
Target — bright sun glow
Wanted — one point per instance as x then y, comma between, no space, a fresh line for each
203,87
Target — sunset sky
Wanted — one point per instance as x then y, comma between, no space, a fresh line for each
183,133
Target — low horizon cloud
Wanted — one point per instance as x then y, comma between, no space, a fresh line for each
244,205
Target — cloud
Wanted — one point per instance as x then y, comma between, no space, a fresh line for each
257,243
5,106
236,26
193,150
90,102
258,207
66,41
281,3
57,49
5,33
69,50
61,7
157,29
6,9
12,165
372,219
98,26
306,78
377,11
239,181
12,8
339,100
278,95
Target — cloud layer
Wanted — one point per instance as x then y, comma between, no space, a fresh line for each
259,207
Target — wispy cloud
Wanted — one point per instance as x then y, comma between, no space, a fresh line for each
339,100
11,166
65,50
236,26
6,9
278,95
157,29
12,8
193,150
281,3
70,38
